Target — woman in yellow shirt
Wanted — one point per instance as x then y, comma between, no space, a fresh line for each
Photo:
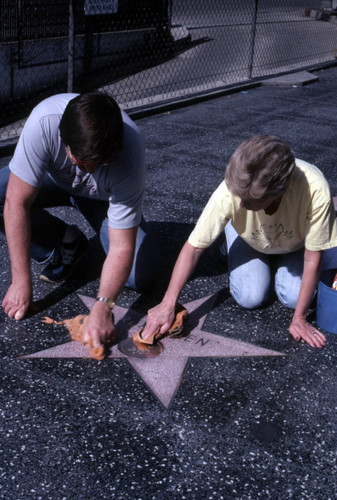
278,217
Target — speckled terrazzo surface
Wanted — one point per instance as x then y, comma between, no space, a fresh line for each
237,427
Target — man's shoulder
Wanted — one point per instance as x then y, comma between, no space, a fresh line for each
54,105
46,116
130,126
133,141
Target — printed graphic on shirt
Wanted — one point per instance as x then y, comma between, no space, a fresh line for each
85,179
82,181
272,235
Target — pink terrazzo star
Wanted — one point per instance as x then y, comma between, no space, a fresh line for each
164,373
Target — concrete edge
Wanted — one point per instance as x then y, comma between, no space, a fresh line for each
296,78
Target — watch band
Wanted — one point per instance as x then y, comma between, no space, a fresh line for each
109,302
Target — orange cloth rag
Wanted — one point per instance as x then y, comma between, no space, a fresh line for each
76,327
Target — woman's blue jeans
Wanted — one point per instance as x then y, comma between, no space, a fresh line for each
253,275
47,230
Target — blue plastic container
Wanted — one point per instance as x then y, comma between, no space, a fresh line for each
326,313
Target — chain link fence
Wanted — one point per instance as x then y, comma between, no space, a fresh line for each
149,52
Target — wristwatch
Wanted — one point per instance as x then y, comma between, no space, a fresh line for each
109,302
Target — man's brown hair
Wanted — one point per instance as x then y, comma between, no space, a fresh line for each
92,126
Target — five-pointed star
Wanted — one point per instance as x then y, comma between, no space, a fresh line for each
163,373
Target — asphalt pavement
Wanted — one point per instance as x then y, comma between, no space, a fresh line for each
234,410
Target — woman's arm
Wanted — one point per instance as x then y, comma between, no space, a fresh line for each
299,327
163,314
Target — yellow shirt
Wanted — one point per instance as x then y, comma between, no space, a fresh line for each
305,216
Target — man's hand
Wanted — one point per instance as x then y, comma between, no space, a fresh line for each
17,301
301,329
99,328
19,198
161,316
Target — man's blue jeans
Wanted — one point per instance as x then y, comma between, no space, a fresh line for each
253,275
47,230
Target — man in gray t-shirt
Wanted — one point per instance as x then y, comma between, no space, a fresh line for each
83,151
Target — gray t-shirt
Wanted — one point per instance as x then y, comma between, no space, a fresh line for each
41,151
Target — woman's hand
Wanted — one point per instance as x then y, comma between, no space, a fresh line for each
161,316
301,329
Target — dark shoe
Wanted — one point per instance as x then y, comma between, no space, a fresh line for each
64,259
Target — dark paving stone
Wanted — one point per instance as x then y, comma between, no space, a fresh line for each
243,428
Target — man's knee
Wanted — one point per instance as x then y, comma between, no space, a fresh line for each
144,268
145,262
4,177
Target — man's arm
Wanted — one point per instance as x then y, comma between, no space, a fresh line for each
117,266
163,314
19,198
299,327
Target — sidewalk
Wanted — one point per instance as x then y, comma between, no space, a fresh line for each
236,410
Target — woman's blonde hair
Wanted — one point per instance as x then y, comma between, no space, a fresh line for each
260,166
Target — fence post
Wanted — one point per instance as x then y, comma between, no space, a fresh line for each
252,39
71,43
13,60
19,27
